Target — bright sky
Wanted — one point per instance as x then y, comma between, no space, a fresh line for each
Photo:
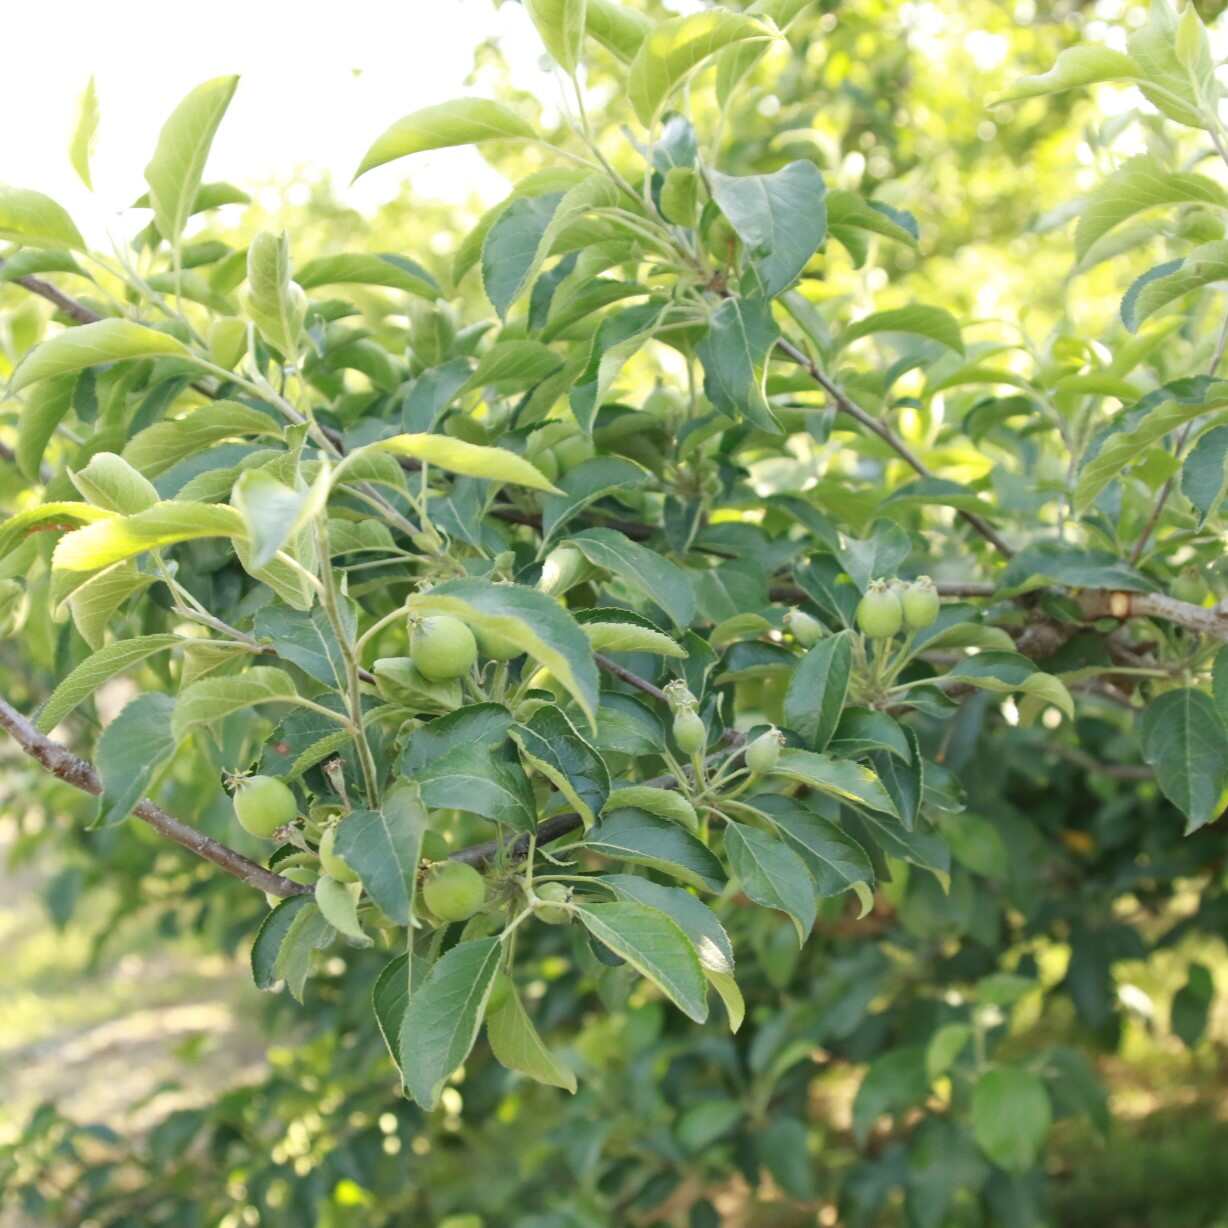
319,82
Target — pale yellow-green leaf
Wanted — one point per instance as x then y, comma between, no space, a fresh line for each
35,220
174,172
665,803
729,993
470,459
675,48
110,482
86,129
122,537
516,1043
275,304
616,636
561,26
91,344
464,121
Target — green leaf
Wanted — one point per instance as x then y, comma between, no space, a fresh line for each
614,634
1134,430
1186,742
703,1124
35,220
619,29
122,537
535,623
1142,183
91,344
338,902
1172,86
431,393
307,933
561,26
274,303
383,847
443,1016
817,689
782,219
457,456
389,998
664,803
96,669
585,484
619,336
772,874
836,861
273,513
675,48
730,995
862,730
367,269
895,1081
174,172
904,779
1173,280
655,946
696,920
510,252
552,745
634,835
1053,562
848,213
46,518
1219,683
108,481
734,352
1192,1005
838,778
159,447
933,323
45,408
1011,1115
131,750
475,725
475,779
305,639
86,129
93,603
1085,64
465,121
516,1044
512,366
1204,475
213,698
271,935
945,1045
659,580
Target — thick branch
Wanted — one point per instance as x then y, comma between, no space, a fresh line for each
61,762
846,405
1103,603
68,305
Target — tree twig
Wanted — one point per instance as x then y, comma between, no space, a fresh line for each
61,762
1167,488
619,671
847,405
560,825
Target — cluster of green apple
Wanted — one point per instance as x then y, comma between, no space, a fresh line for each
891,606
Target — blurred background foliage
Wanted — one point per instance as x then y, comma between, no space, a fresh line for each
146,1083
